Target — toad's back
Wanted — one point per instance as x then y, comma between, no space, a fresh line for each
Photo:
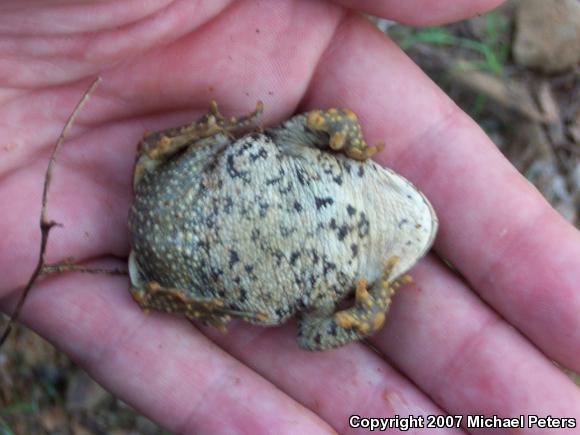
271,225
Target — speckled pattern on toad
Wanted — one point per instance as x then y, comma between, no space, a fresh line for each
270,224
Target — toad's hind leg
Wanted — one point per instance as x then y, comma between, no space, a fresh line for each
157,147
210,311
344,132
171,300
364,318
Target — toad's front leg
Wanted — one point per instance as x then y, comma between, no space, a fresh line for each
157,147
365,317
334,129
344,131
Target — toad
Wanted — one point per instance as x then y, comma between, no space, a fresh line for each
230,221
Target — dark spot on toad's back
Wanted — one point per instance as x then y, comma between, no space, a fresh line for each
293,257
323,202
233,172
260,154
302,176
354,249
234,258
347,167
315,257
332,224
279,255
264,206
275,180
327,266
343,230
363,225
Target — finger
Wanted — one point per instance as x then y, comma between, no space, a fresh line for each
256,59
162,366
466,357
422,12
334,384
51,44
511,246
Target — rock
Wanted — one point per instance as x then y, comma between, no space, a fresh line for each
506,93
547,34
576,180
83,394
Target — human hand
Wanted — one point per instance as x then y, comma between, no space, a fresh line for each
479,345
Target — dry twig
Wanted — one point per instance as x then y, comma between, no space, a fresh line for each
64,266
45,224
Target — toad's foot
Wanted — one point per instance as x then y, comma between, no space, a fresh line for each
344,132
160,146
364,318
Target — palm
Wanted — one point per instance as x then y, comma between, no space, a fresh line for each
160,68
